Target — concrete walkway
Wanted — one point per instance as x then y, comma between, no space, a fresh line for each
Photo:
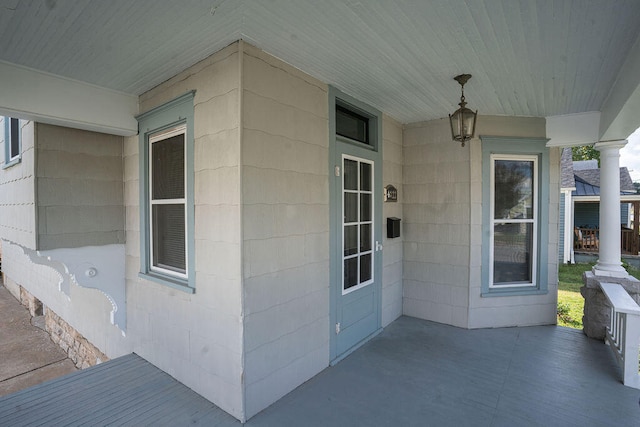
27,354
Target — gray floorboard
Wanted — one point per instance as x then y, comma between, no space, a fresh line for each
415,373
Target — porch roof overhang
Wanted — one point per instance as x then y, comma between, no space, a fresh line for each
82,64
629,198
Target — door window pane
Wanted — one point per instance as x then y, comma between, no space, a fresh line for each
350,207
365,237
365,207
365,268
365,177
350,240
350,272
350,175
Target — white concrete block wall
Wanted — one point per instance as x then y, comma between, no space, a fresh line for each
437,214
197,338
79,188
285,220
392,162
17,190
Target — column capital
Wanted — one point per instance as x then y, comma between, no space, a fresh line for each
603,145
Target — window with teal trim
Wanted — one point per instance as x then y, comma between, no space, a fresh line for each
166,193
12,141
515,216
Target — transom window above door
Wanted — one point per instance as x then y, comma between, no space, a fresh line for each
355,126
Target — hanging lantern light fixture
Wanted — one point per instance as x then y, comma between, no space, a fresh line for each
463,121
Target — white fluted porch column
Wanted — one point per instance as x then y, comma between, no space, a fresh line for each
609,263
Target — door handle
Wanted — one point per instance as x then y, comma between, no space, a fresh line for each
378,246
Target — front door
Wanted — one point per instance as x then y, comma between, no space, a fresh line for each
356,245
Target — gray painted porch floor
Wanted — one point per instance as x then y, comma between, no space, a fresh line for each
415,373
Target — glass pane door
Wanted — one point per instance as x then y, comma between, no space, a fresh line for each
357,224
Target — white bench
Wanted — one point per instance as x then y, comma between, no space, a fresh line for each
623,333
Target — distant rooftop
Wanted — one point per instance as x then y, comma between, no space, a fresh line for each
580,165
566,164
584,176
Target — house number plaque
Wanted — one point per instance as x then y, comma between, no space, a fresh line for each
390,193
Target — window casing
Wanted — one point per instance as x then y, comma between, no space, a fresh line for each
12,141
167,212
515,216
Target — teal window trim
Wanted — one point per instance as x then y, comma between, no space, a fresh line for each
177,112
10,158
517,147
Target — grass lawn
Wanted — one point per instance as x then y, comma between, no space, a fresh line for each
570,302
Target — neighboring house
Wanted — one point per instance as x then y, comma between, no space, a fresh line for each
580,206
218,206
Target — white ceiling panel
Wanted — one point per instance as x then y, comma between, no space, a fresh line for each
529,58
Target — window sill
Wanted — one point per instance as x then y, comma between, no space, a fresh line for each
172,283
12,163
510,292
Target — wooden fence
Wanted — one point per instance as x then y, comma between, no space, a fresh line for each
588,240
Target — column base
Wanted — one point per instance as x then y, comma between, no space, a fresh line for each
609,270
597,310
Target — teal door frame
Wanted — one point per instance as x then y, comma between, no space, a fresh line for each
344,341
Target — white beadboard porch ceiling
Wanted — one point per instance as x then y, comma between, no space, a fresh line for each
527,57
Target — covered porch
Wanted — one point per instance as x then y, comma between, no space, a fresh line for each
587,239
256,308
415,372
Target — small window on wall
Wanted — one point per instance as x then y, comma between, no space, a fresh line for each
167,211
13,143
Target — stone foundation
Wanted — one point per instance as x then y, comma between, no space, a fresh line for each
32,303
80,351
597,310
